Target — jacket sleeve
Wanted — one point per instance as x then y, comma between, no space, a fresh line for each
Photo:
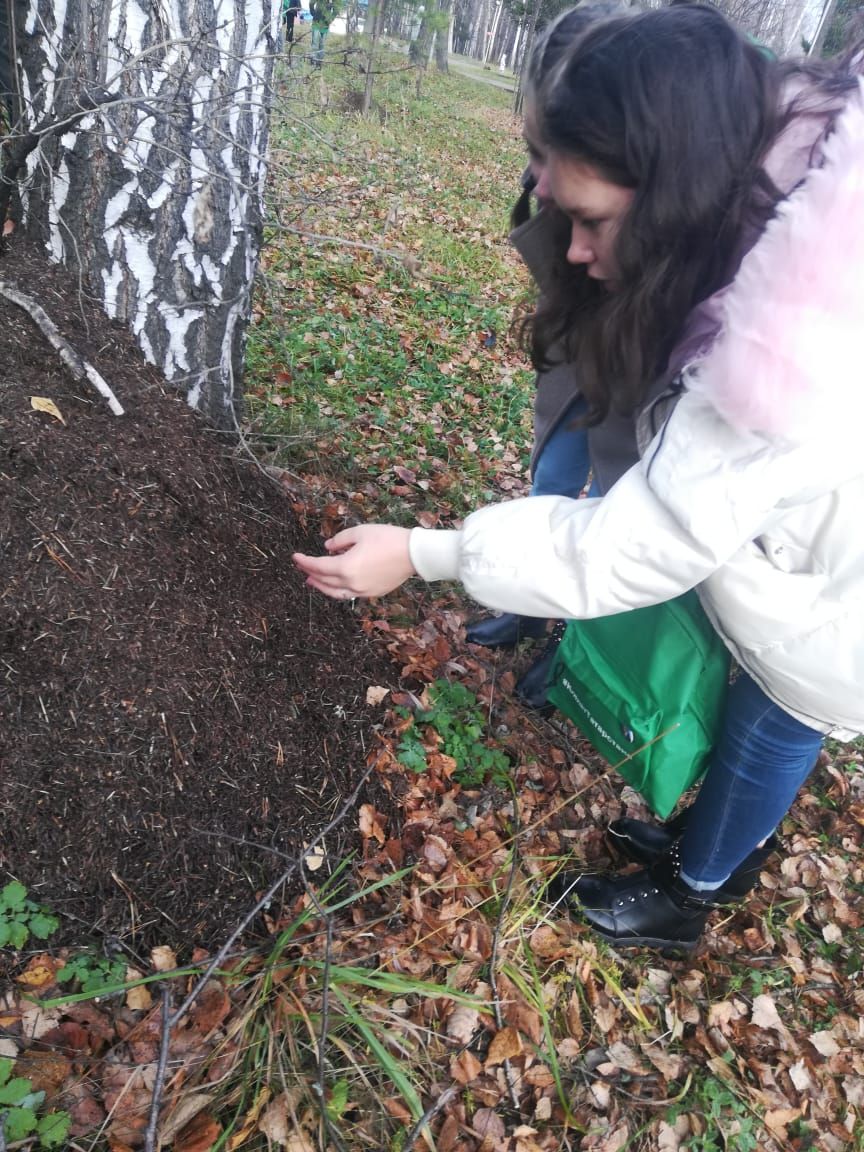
702,491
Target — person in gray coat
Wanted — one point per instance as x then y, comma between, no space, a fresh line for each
566,454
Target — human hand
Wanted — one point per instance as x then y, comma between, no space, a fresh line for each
370,560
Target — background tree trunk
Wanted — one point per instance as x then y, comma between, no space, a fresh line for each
155,190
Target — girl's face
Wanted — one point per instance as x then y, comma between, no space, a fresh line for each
596,208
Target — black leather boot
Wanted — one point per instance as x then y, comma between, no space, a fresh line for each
643,842
505,631
533,684
651,908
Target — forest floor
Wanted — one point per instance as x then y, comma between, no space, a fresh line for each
181,720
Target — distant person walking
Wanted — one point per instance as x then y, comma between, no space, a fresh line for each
324,12
291,9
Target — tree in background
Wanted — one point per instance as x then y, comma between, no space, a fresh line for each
139,156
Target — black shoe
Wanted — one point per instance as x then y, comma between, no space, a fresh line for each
645,843
504,631
533,685
651,908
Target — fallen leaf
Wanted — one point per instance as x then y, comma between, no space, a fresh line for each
488,1125
183,1115
313,858
250,1121
40,972
462,1023
163,958
36,1021
43,404
211,1007
397,1109
375,694
198,1136
139,998
505,1045
369,823
274,1122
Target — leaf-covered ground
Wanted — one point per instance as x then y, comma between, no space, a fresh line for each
427,996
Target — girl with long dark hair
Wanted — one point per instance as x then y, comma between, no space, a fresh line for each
711,290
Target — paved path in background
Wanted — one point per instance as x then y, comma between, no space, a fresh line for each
493,78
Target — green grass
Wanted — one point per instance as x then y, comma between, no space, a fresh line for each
360,362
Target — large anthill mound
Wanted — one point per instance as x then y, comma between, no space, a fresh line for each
173,701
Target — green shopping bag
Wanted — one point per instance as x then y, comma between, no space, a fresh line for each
647,689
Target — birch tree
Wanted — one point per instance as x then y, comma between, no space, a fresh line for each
141,161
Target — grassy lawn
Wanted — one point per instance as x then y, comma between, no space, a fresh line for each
384,349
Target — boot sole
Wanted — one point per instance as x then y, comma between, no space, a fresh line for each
647,942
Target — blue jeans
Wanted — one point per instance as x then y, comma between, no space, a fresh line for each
564,464
319,35
763,757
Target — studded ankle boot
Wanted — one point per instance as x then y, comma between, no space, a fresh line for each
643,842
651,908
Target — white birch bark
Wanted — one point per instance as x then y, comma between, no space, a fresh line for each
157,193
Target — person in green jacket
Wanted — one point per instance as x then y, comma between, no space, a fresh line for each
324,12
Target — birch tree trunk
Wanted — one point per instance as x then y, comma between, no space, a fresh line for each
151,121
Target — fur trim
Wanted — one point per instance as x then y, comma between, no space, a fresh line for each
793,320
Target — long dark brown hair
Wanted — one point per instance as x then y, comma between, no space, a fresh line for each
549,47
678,105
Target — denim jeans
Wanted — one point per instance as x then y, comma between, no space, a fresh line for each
763,757
319,35
564,464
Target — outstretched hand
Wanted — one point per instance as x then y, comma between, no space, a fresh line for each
370,560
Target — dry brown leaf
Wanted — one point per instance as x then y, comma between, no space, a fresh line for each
765,1015
462,1023
198,1136
36,1021
825,1043
43,404
163,958
489,1126
370,823
274,1122
398,1109
299,1142
187,1109
375,693
465,1067
436,853
139,998
40,972
505,1045
313,858
211,1007
250,1121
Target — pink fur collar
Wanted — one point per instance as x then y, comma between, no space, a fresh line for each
793,320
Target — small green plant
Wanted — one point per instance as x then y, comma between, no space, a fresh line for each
92,972
458,721
21,918
19,1105
730,1126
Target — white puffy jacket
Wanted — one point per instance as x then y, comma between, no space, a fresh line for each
753,489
